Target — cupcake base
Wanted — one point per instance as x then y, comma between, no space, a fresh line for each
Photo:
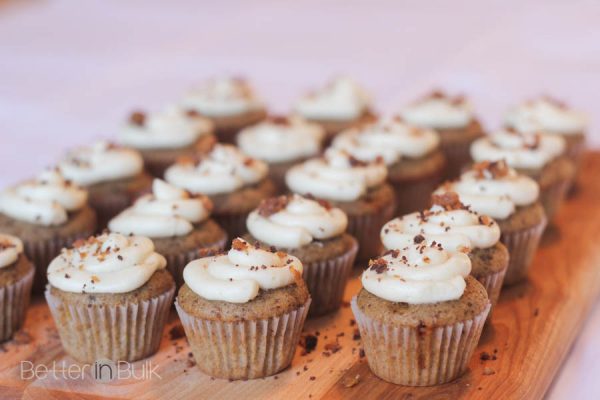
522,245
14,300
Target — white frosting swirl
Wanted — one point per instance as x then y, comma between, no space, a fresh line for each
418,274
439,111
520,150
546,115
223,97
275,142
11,247
46,200
341,99
336,176
222,170
238,276
109,263
167,212
100,162
297,223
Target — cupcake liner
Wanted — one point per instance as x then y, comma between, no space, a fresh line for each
574,152
521,245
244,349
553,196
326,281
126,332
233,224
415,195
457,156
414,356
493,285
14,300
108,207
366,229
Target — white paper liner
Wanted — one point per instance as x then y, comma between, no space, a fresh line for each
415,195
245,349
553,197
366,229
14,300
493,285
457,156
521,246
418,357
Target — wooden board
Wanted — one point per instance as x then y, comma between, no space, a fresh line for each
533,328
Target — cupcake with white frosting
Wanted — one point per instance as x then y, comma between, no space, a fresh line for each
230,103
454,119
339,105
243,311
493,188
357,187
162,137
113,175
315,233
420,314
281,142
178,223
16,278
413,156
537,155
110,297
47,213
235,182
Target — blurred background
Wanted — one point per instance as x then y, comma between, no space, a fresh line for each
72,70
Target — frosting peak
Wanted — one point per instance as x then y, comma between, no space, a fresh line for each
439,111
11,248
548,115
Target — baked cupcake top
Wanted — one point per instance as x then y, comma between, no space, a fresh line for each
166,212
339,100
519,149
548,115
295,221
418,273
439,111
336,176
222,169
223,97
171,128
239,275
493,188
100,162
11,248
45,200
108,263
281,140
448,223
389,139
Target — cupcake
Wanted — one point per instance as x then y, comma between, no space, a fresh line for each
177,222
16,278
314,232
47,213
340,105
110,297
230,103
539,156
453,119
163,137
456,228
512,200
420,314
413,157
243,311
114,176
281,142
358,188
234,182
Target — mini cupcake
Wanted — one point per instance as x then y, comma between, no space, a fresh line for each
358,188
413,157
314,232
453,119
163,137
234,182
456,228
230,103
539,156
110,297
177,222
243,311
281,142
114,176
420,314
47,213
340,105
16,278
512,199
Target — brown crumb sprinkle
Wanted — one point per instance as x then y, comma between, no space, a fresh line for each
137,118
491,169
449,201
